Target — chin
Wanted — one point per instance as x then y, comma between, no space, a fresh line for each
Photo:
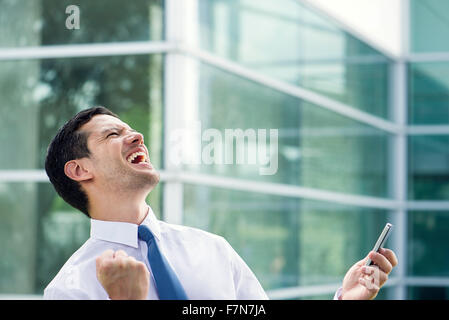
148,178
155,177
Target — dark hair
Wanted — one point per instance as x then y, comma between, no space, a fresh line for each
70,143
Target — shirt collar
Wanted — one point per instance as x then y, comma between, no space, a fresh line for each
123,232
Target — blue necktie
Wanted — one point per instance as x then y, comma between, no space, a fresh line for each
167,283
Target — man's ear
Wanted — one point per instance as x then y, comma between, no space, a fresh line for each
77,170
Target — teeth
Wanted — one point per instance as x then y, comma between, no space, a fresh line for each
136,154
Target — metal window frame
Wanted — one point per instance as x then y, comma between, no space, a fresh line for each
172,202
320,289
427,130
399,175
86,50
399,91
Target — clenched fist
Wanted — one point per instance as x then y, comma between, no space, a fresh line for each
122,276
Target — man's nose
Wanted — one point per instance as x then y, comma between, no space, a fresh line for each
134,138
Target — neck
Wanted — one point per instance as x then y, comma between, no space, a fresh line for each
131,208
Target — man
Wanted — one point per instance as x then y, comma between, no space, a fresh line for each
100,165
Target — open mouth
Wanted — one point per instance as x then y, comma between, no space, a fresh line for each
138,158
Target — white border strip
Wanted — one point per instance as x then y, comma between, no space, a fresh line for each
296,91
86,50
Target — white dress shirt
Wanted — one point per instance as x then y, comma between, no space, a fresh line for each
207,266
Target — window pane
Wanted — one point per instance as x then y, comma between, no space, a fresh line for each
38,235
298,46
18,232
428,293
428,243
286,241
316,148
429,93
39,96
386,293
61,231
44,22
428,25
428,168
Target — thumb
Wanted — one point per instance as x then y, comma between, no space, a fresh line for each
363,262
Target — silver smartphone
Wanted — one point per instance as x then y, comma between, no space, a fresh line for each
381,240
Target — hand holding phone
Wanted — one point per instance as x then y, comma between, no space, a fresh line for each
381,240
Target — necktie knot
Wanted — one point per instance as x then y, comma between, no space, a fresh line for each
144,233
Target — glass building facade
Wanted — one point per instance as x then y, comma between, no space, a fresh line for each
363,136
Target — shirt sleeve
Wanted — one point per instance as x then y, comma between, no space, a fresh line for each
55,293
246,285
337,295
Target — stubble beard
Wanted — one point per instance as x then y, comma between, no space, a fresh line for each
124,180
